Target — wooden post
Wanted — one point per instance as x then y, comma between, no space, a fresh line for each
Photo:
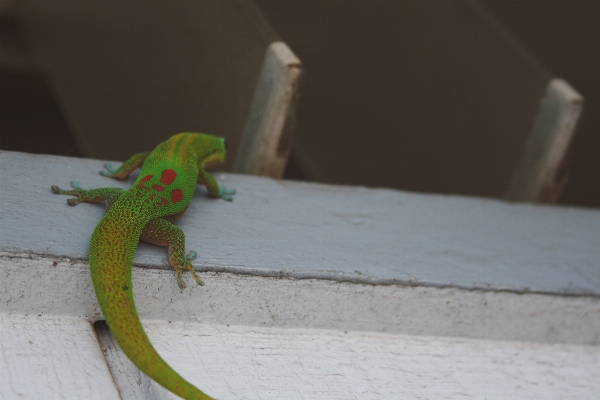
541,175
266,141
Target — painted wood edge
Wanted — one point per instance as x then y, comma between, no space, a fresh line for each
266,142
258,301
540,176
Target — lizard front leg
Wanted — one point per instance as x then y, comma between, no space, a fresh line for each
163,233
206,179
89,195
135,161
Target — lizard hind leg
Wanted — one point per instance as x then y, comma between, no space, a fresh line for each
89,195
163,233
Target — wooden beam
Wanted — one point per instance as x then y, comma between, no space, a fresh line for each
266,143
541,174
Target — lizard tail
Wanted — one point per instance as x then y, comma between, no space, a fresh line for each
111,253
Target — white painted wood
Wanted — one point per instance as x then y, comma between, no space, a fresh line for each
49,357
342,233
132,383
248,362
234,299
266,142
535,179
440,296
269,363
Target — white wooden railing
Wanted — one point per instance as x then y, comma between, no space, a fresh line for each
312,291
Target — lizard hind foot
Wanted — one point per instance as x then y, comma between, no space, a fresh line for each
196,277
198,280
191,256
180,281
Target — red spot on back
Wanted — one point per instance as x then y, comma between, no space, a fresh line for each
168,176
144,179
158,188
176,195
164,201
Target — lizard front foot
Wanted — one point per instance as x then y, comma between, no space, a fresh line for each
88,195
108,171
226,194
78,192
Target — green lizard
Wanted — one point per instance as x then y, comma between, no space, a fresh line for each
160,194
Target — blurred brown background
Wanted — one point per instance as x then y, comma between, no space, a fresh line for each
563,35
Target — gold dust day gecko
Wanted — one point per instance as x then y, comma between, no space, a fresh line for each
160,194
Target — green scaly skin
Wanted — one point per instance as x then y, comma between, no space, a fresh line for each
160,194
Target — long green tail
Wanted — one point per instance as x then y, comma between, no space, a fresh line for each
112,247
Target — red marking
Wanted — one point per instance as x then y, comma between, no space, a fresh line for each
164,201
146,178
176,195
152,196
168,176
158,188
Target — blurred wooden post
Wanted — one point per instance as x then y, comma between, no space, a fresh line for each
129,77
266,141
541,176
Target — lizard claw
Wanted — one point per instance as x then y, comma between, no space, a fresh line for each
226,194
56,189
191,256
75,185
78,192
108,170
181,283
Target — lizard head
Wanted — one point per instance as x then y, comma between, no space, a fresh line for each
211,149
